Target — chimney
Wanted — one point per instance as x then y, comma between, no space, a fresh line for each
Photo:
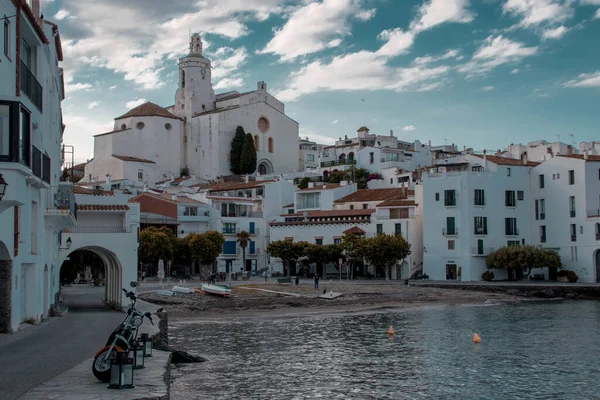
430,143
585,155
484,159
524,158
246,179
174,197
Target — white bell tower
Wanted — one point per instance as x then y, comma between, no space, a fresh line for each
195,93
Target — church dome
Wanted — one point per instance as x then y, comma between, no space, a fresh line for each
148,109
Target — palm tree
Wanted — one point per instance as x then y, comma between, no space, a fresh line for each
243,238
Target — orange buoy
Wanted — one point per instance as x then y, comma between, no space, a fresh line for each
391,331
476,338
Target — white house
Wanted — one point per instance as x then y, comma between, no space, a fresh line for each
35,206
565,192
196,132
472,205
539,150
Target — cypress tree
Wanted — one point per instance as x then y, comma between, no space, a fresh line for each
237,143
248,158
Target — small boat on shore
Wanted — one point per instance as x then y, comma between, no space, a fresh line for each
217,290
180,289
331,295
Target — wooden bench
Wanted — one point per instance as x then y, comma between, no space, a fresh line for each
284,280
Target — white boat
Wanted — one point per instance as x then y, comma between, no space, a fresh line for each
163,292
181,289
331,295
218,290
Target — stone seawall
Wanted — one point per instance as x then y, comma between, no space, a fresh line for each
541,290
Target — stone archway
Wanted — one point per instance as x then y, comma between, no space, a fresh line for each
5,289
113,273
264,167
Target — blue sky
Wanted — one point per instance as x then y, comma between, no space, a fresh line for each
480,73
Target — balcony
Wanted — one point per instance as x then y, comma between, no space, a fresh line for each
242,214
31,87
231,231
480,231
98,229
481,251
326,164
572,213
46,165
36,162
40,168
593,213
573,238
450,232
512,232
543,239
61,209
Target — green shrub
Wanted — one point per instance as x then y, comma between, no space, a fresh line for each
487,276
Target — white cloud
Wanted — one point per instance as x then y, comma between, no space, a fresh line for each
409,128
80,129
112,87
134,103
436,12
487,88
314,27
315,137
229,83
597,16
536,12
397,42
515,71
494,52
335,121
431,59
585,80
555,33
93,104
62,14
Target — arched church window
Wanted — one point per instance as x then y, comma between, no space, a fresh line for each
351,156
168,126
182,79
123,126
270,145
256,142
597,231
263,125
139,125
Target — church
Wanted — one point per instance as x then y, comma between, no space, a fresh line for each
150,143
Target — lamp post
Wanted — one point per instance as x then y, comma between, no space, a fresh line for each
3,186
139,352
147,342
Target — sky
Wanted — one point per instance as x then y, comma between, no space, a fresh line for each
476,73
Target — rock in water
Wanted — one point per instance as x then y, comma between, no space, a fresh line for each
182,357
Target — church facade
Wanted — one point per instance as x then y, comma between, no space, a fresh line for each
151,143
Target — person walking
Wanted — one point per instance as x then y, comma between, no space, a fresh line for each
316,281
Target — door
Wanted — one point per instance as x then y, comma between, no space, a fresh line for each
251,228
46,290
597,265
450,272
480,246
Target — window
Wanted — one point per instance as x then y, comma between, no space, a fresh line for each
25,138
139,125
571,177
450,226
263,125
520,195
537,210
182,79
572,206
509,198
507,171
140,175
309,200
229,247
543,233
352,206
28,56
7,39
437,197
513,243
310,157
450,198
510,227
477,168
337,240
371,158
597,230
479,197
542,209
168,126
290,210
229,227
270,143
190,211
573,232
541,178
365,206
451,245
319,241
481,225
5,120
379,229
256,143
398,229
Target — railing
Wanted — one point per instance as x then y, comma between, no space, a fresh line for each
542,215
36,162
31,87
450,232
573,213
480,231
98,229
333,163
64,199
543,239
228,231
512,232
245,214
593,213
478,251
46,173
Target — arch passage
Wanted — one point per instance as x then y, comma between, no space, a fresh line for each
265,167
5,289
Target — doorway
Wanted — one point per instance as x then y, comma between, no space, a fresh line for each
450,272
5,289
597,265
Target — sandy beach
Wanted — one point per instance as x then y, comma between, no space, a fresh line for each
253,300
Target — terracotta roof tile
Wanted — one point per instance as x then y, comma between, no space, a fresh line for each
102,207
362,195
332,213
356,230
321,187
168,197
148,109
316,222
133,159
226,186
507,161
397,203
591,157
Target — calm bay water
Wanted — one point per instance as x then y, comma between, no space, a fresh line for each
534,351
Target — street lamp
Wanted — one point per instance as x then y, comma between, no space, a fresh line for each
3,186
68,243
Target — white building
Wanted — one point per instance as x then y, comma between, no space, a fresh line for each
539,150
473,205
30,158
566,212
309,155
196,132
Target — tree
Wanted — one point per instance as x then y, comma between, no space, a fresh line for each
303,183
206,247
288,251
522,258
182,254
350,244
358,175
248,156
236,150
155,245
383,251
323,254
243,239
